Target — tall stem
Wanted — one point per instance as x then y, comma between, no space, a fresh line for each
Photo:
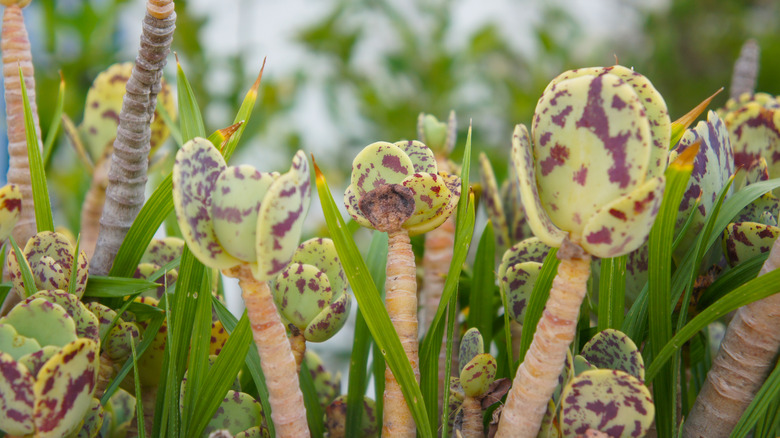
537,376
746,356
129,161
401,303
276,358
472,418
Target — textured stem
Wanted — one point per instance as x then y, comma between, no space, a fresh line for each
16,54
743,80
401,302
746,356
129,161
537,376
472,418
276,358
298,347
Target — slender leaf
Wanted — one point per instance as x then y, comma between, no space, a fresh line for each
612,292
754,290
539,295
361,345
374,310
173,128
243,115
452,308
314,413
43,218
190,119
732,279
483,285
117,287
198,362
56,122
139,403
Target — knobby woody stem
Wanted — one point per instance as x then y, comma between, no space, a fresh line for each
537,376
129,161
472,418
401,303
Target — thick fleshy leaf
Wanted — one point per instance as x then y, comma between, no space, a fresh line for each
10,209
238,412
300,293
478,374
351,202
87,325
34,361
492,200
580,365
420,154
198,165
50,256
439,136
326,383
101,111
93,421
764,210
610,401
117,345
614,350
280,219
336,418
518,283
16,397
330,320
527,250
471,345
237,196
538,220
592,144
378,164
432,202
321,252
163,251
621,226
744,240
46,322
14,344
105,315
64,388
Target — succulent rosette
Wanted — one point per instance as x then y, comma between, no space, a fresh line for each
517,273
10,209
595,168
48,365
410,164
51,258
311,292
223,226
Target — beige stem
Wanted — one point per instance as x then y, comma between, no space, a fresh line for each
746,356
298,347
401,303
537,376
472,418
276,359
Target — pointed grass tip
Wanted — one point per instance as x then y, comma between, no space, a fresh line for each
680,125
684,161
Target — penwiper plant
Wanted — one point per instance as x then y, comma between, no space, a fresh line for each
591,184
252,238
396,188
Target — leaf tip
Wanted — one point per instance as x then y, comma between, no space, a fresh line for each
685,160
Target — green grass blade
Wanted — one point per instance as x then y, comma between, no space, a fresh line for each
221,376
612,292
43,219
374,310
754,290
117,287
252,361
56,122
659,281
72,282
451,315
173,128
198,362
482,301
314,413
190,118
243,114
757,408
533,313
732,279
27,275
139,404
376,260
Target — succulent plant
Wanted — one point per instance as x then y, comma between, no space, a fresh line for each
50,257
591,183
252,238
517,274
10,209
614,350
49,363
311,292
475,380
93,421
438,136
609,401
117,414
336,418
744,240
327,384
503,205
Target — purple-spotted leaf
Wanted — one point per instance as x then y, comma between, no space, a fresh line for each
328,322
433,202
493,204
280,219
321,252
44,321
478,374
517,273
351,202
326,384
538,220
118,341
764,210
253,432
513,207
235,213
744,240
421,156
10,209
50,258
104,314
549,427
580,365
195,172
64,388
336,418
621,226
471,345
87,325
528,250
610,401
34,361
237,412
612,349
93,421
301,292
163,251
378,164
18,398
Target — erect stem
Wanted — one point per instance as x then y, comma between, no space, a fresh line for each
472,418
16,54
129,161
746,356
537,376
297,345
743,79
276,359
401,303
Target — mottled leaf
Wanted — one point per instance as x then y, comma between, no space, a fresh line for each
378,164
433,202
10,209
471,345
86,322
16,397
614,350
93,421
744,240
336,418
327,384
421,156
493,204
46,322
478,374
163,251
